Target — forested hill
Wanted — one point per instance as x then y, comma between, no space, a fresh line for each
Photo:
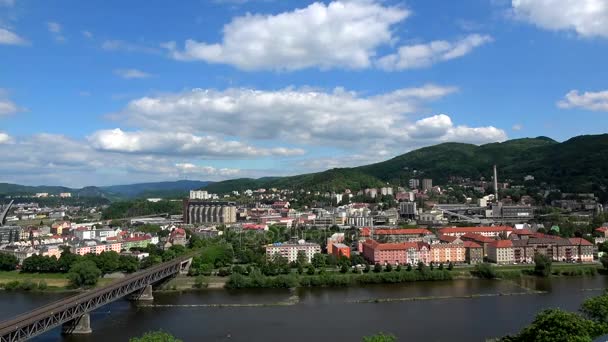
576,165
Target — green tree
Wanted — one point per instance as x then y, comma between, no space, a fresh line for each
450,266
310,270
84,273
343,268
409,267
8,262
128,264
367,268
318,260
485,270
596,308
542,265
604,260
156,336
107,262
302,259
440,267
388,268
554,325
381,337
377,268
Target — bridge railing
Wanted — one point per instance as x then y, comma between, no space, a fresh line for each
51,315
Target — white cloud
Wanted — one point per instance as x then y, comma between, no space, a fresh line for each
588,18
121,45
341,34
191,169
131,73
7,3
7,107
596,101
87,34
56,31
517,127
424,55
10,38
340,118
5,138
172,143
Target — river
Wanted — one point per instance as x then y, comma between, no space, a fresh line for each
442,311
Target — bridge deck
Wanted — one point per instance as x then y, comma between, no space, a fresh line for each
49,316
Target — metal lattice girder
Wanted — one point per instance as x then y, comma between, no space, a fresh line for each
50,316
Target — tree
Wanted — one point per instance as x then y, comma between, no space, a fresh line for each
8,262
596,308
381,337
409,267
604,260
84,273
432,265
302,259
367,268
441,267
450,266
107,262
388,268
318,260
421,266
542,265
128,264
377,268
343,268
310,270
155,336
398,269
554,325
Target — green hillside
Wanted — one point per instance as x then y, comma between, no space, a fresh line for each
576,165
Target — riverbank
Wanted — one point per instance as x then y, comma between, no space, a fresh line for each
45,282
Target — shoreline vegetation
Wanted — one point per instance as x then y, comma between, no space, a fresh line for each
59,282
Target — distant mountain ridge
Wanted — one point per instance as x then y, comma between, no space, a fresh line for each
152,189
579,164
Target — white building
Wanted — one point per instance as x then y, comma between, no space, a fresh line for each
290,250
199,194
386,191
65,194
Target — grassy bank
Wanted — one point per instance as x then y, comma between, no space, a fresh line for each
15,280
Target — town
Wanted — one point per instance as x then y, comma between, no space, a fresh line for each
394,226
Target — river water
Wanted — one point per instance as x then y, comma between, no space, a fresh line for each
461,310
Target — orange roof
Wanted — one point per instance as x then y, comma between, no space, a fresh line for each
447,238
502,243
580,241
477,237
471,244
601,229
475,229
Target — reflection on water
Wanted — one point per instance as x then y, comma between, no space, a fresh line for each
468,310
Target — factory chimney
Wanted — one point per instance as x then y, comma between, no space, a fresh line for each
495,184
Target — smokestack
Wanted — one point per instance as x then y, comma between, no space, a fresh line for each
495,183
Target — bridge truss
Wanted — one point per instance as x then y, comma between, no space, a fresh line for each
72,308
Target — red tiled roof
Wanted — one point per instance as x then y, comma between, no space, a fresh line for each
580,241
601,229
471,244
447,238
475,229
477,237
522,232
502,243
413,231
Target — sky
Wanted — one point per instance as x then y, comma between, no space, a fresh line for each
118,92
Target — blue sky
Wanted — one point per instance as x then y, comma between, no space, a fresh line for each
107,92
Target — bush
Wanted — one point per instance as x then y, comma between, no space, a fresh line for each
224,272
42,285
8,262
200,282
155,336
542,265
485,270
27,285
12,285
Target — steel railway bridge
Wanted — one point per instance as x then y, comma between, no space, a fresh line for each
73,312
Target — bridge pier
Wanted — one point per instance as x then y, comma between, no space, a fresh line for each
144,294
77,326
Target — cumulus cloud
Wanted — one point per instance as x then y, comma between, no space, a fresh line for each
424,55
596,101
7,107
131,73
341,34
192,169
57,159
10,38
588,18
5,138
56,31
303,116
170,143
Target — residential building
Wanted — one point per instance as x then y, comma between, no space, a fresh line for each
385,191
427,184
389,253
65,195
501,252
10,234
584,249
290,250
199,195
340,250
473,252
335,238
442,253
414,183
396,235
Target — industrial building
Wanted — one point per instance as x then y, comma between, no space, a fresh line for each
209,212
